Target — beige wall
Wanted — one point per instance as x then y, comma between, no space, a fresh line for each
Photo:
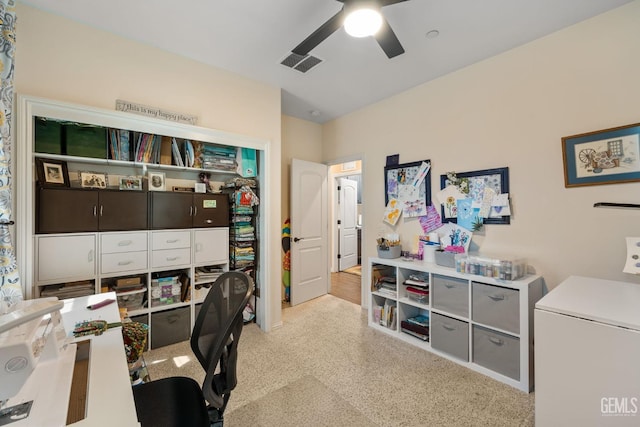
301,139
60,59
512,110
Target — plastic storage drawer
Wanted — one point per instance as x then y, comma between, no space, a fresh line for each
496,306
170,326
450,294
497,351
418,295
132,300
450,336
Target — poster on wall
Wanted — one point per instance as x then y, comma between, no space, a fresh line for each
410,185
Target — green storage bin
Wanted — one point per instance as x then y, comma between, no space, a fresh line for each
85,140
48,136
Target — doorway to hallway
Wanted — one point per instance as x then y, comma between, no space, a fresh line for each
346,286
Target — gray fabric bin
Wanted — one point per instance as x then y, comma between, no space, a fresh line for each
170,326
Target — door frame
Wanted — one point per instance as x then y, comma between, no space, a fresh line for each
333,215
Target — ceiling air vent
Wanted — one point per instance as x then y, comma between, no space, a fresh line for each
302,63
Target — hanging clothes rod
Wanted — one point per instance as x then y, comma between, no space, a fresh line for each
616,205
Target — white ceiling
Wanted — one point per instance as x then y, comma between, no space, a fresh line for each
252,37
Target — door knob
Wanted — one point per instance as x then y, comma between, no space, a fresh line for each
297,239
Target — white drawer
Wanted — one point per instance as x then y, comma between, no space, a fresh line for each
170,257
123,242
170,239
127,261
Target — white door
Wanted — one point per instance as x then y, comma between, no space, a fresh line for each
309,231
347,222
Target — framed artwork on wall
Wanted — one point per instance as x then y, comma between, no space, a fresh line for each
410,185
609,156
473,183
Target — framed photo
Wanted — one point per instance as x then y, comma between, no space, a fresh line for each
130,183
93,179
474,183
156,181
410,185
52,173
608,156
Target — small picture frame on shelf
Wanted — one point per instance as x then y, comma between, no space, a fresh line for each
157,181
92,179
52,173
200,187
130,183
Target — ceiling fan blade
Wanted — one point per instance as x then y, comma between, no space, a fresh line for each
381,2
324,31
390,2
388,41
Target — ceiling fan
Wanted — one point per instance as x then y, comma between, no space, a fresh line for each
385,36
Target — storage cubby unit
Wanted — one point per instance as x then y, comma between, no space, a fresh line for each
159,249
481,323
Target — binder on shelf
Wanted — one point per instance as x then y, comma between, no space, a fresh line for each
175,151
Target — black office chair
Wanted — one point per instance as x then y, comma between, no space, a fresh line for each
179,401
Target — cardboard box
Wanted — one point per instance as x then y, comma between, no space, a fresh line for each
128,281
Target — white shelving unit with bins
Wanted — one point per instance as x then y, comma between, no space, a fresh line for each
98,249
481,323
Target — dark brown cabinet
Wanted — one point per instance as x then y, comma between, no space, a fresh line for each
66,210
188,210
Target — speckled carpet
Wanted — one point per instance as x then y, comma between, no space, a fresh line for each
325,366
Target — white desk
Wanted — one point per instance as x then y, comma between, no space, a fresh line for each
109,395
587,337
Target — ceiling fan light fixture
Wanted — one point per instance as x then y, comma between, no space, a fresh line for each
363,22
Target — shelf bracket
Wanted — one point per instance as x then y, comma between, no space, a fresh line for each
616,205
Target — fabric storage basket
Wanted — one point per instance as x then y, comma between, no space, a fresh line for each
170,326
392,252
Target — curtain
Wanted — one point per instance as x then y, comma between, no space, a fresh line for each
10,287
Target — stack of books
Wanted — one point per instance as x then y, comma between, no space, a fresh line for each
208,273
417,326
419,280
69,290
219,157
386,285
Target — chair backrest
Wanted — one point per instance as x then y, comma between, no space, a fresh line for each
216,333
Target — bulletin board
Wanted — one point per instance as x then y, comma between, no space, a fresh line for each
398,184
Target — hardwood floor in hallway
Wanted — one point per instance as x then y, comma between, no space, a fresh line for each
346,286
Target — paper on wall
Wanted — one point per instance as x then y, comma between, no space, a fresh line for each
447,197
412,204
453,235
500,206
485,204
431,221
468,214
422,173
392,212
